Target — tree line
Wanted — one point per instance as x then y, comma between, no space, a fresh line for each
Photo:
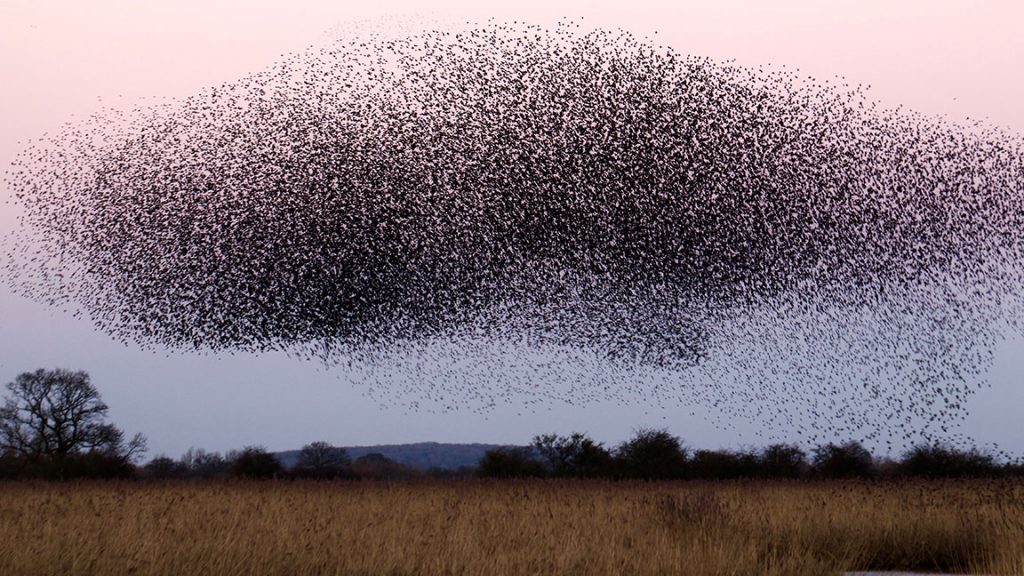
316,461
53,426
656,454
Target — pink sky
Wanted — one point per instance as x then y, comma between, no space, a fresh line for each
938,56
61,58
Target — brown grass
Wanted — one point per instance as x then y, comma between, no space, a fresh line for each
496,528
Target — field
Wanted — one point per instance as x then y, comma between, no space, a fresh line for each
510,527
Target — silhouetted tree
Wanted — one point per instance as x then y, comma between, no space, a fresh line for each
1013,469
653,454
723,465
783,461
849,460
576,455
164,468
321,460
940,461
255,463
205,465
53,421
510,462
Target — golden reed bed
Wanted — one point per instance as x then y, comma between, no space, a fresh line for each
510,527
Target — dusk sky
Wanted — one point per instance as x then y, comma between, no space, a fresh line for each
61,61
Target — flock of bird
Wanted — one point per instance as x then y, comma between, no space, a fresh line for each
510,213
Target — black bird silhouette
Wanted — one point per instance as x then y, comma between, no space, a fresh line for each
510,211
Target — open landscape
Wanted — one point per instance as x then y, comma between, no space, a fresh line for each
512,527
75,499
545,288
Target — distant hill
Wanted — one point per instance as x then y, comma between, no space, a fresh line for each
421,455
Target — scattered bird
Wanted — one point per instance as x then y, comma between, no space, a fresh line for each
509,211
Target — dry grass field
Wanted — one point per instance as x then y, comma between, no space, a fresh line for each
510,527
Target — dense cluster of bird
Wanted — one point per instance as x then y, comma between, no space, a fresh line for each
509,211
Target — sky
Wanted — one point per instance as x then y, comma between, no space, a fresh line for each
63,60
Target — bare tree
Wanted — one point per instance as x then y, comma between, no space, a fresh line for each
53,415
255,463
573,455
322,460
202,464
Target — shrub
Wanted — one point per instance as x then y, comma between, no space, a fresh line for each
511,462
849,460
940,461
573,456
652,454
783,461
164,468
255,463
721,465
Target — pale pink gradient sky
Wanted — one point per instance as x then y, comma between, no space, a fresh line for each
61,59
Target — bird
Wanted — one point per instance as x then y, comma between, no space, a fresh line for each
441,212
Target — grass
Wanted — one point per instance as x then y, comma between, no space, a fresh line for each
511,527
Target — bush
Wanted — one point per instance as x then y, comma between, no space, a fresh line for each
97,465
510,462
576,456
652,454
849,460
164,468
255,463
940,461
721,465
784,461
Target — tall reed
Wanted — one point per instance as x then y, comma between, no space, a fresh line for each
511,527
